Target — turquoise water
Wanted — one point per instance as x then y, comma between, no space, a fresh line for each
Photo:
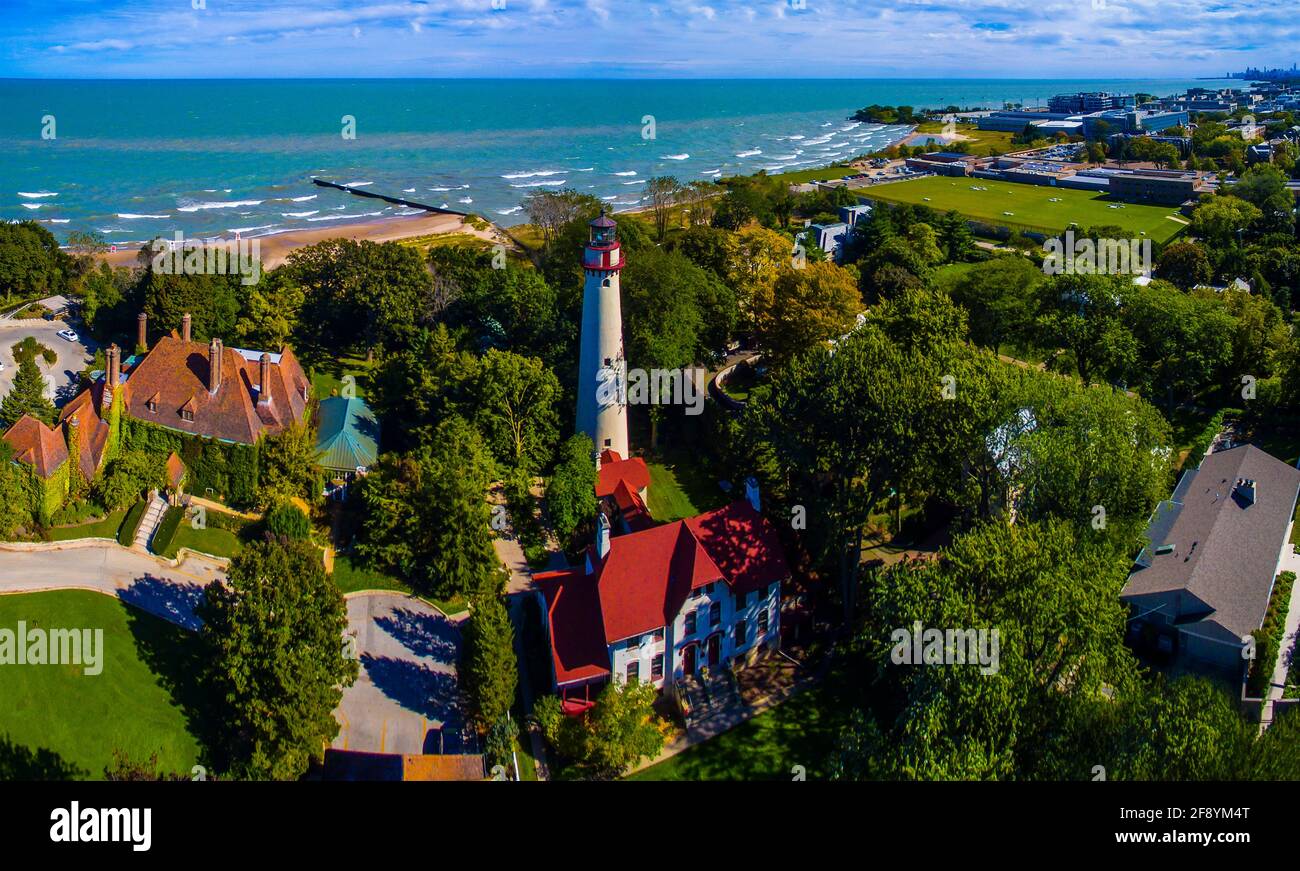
133,159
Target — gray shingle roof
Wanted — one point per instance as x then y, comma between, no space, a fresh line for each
1224,548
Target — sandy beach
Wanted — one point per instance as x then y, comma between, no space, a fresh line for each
275,248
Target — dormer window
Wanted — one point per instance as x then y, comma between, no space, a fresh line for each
186,414
152,406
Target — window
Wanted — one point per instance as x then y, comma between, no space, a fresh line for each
657,635
742,601
187,415
762,620
740,633
634,671
151,405
609,443
690,622
715,614
633,648
657,667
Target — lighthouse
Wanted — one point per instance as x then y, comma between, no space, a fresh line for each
602,369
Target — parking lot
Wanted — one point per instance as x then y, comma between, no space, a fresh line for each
72,356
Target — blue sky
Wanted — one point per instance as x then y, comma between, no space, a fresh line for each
675,38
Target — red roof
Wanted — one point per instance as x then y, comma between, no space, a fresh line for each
92,431
578,649
37,445
615,470
632,508
647,576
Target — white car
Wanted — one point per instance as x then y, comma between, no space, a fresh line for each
67,335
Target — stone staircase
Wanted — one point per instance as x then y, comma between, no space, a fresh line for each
149,523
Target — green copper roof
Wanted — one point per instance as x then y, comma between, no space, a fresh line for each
348,436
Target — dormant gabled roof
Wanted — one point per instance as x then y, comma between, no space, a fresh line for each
37,445
174,377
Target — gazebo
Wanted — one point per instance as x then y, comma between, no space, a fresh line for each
347,441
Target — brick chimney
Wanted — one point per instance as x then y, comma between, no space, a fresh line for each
264,380
215,353
142,332
186,323
113,357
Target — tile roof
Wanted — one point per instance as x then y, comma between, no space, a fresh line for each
1225,548
37,445
174,377
92,431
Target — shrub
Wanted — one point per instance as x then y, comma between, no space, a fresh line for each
286,520
166,534
1268,638
131,525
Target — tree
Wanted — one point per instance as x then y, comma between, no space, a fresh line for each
808,306
276,661
31,263
517,397
1265,187
1185,265
287,520
15,509
127,477
956,237
662,192
426,515
490,671
212,301
288,466
271,310
998,296
571,493
1221,218
550,211
26,396
661,310
1082,314
620,730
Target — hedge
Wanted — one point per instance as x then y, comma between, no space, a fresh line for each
1202,442
1268,638
171,522
131,525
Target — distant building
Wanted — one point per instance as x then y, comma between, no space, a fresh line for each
1202,583
1087,102
854,215
1165,188
829,237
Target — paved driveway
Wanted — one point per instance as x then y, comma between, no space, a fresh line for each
135,578
406,697
73,356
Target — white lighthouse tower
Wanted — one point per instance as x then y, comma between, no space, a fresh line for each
602,369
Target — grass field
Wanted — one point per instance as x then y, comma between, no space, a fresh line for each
1031,205
58,722
212,541
800,731
104,528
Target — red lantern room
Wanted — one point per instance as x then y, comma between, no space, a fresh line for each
603,251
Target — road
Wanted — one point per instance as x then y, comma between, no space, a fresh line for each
137,579
72,356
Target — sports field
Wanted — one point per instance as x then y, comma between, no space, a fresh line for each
1032,207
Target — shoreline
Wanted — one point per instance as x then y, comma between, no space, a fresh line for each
275,248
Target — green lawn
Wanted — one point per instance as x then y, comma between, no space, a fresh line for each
825,173
212,541
800,731
57,722
1030,205
351,576
105,527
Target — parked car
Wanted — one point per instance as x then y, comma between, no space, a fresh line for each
67,335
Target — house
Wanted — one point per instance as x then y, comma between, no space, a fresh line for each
44,451
661,604
228,395
1202,583
829,237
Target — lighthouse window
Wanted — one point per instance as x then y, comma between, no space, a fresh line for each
609,443
605,283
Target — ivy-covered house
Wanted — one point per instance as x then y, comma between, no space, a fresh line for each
206,403
43,451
